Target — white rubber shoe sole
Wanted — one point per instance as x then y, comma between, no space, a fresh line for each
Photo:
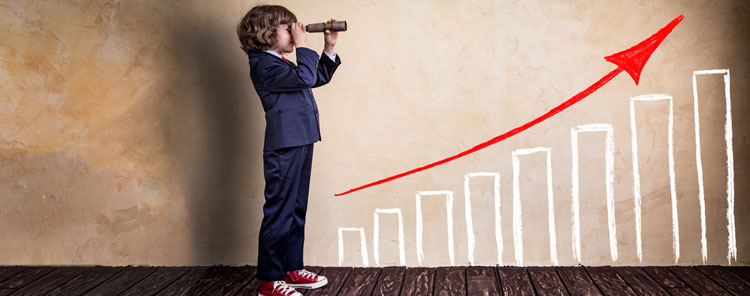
310,286
259,294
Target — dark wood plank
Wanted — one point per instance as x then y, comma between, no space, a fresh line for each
122,281
697,281
515,281
390,281
608,281
336,278
7,272
212,276
481,280
50,281
450,281
640,281
231,284
162,277
741,271
26,276
418,281
546,281
185,282
664,277
361,281
726,279
684,291
90,278
670,282
577,281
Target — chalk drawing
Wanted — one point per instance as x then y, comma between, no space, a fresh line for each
631,61
637,176
376,234
610,179
517,224
449,210
731,240
469,222
363,243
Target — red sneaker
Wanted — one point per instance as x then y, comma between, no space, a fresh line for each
303,279
276,288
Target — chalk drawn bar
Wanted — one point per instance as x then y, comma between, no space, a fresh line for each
732,243
517,222
609,179
449,210
469,221
637,176
376,234
363,243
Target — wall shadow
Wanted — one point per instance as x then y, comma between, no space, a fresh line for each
209,128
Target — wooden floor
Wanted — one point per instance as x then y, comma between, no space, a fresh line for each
240,280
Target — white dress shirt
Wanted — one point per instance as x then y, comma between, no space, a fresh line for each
332,57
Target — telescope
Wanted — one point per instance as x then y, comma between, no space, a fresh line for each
337,26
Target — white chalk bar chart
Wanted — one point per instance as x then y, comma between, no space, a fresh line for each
630,61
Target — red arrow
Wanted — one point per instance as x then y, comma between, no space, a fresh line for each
630,60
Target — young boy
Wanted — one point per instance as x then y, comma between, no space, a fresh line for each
267,32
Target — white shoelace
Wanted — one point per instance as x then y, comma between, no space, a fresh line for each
307,274
285,289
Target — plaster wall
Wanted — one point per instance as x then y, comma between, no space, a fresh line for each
130,132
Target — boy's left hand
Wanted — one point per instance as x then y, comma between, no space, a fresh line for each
331,37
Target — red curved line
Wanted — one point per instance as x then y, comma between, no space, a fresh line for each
575,99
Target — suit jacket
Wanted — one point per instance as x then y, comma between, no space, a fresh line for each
286,94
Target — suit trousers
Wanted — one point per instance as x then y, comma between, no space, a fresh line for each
282,232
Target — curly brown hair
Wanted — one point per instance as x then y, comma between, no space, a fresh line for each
257,29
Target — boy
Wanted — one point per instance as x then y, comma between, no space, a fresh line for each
292,126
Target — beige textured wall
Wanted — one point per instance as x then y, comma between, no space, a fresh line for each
130,132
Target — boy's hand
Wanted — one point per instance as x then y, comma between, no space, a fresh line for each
298,34
330,39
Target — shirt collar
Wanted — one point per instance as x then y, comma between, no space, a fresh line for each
273,53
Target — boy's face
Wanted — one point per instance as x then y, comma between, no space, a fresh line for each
284,42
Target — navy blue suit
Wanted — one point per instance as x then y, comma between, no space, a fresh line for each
292,126
286,94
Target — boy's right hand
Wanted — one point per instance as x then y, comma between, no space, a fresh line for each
299,35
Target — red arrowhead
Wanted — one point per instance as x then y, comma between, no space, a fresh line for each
633,59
